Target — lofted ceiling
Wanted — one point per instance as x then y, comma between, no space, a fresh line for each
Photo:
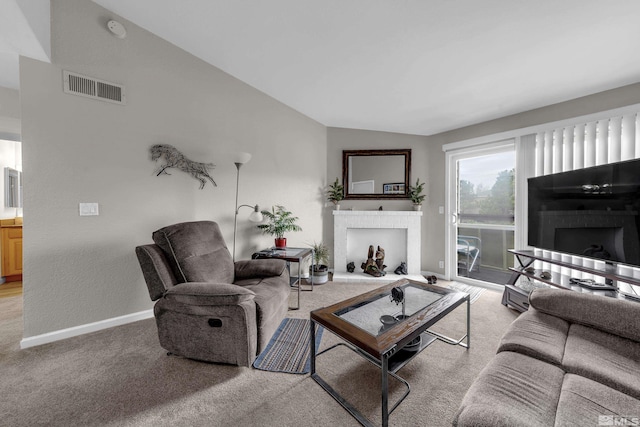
24,30
409,66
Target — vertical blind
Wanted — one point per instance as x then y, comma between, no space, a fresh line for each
588,144
581,146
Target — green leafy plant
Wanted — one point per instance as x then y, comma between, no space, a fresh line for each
335,192
415,192
279,221
320,256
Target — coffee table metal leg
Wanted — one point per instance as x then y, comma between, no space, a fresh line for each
312,365
468,322
299,281
466,337
385,390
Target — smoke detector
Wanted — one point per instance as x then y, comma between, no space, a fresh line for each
117,29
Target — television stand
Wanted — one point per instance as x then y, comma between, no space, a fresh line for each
517,295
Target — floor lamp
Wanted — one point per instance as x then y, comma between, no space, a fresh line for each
255,216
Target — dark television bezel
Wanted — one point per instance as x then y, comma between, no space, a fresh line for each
593,170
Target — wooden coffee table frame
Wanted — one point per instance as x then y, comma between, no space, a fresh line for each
383,350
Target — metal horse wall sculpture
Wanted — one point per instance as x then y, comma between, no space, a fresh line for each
175,159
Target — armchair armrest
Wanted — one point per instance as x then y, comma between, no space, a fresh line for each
208,294
608,314
250,269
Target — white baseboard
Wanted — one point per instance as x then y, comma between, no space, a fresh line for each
84,329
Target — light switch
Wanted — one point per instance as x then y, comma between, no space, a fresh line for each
441,210
88,209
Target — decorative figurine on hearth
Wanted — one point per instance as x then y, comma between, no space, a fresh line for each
401,269
351,267
380,261
370,266
375,266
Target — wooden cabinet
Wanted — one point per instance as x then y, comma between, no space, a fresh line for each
11,250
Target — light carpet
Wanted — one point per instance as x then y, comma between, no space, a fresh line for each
122,377
473,291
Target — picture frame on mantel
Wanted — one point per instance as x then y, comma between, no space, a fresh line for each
394,188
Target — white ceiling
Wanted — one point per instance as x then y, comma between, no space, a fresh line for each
24,30
410,66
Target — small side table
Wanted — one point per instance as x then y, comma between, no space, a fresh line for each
297,255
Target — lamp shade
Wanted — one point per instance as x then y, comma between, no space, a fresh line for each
256,215
241,158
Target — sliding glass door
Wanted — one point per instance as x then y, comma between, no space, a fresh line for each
481,207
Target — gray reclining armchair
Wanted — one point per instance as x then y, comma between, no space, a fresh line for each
210,308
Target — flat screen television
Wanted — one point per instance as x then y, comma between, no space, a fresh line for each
591,212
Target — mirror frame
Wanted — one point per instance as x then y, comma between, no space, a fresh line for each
406,152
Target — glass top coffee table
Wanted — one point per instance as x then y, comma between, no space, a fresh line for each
388,326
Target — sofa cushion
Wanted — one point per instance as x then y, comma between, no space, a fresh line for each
584,402
512,390
208,294
605,358
157,273
196,252
185,330
272,303
590,310
249,269
537,335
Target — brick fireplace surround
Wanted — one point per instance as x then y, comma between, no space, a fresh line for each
398,232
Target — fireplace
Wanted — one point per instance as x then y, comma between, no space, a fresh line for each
397,232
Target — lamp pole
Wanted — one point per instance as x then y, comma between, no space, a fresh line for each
240,159
235,217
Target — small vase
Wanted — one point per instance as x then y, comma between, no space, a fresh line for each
281,242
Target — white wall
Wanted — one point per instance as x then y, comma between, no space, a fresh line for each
611,99
83,269
9,114
428,160
339,139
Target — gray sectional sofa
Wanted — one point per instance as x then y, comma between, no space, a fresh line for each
572,359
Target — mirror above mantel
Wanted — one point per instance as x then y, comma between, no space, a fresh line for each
376,174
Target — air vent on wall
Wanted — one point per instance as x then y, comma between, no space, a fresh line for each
77,84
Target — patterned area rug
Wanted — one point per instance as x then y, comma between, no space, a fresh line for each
288,351
473,291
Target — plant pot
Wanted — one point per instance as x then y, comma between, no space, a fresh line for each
417,207
281,242
337,206
319,276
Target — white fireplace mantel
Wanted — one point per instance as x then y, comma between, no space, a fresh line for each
404,225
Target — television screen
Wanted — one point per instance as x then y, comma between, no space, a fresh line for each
590,212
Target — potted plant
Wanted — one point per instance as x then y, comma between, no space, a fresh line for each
319,273
279,221
415,194
335,193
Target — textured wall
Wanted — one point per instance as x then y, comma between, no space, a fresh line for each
339,139
83,269
9,114
611,99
